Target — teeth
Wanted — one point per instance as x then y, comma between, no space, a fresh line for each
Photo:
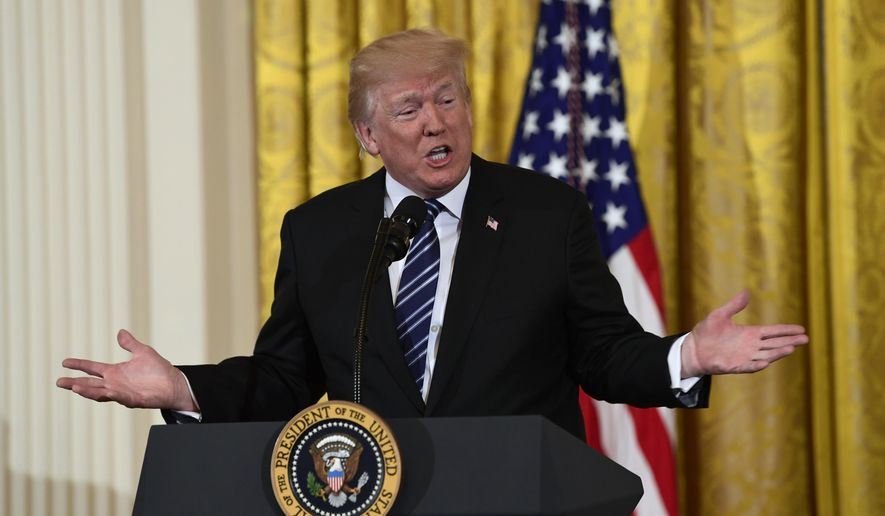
439,153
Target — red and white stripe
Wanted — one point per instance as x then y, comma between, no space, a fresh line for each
336,481
641,440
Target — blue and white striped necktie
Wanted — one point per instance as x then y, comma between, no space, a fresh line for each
417,290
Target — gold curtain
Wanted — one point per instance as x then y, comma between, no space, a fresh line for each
759,133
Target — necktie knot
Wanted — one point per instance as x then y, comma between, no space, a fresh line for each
434,207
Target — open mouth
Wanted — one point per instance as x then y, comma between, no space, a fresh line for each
439,154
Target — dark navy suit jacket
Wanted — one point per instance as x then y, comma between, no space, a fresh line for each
533,313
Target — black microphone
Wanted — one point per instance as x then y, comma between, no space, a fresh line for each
391,244
408,216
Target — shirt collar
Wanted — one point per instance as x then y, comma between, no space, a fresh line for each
453,201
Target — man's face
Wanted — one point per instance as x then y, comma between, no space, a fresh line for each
422,129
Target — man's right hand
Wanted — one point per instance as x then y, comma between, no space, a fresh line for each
147,380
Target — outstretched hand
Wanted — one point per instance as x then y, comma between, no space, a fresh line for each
717,345
147,380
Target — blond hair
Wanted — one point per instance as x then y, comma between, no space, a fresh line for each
409,54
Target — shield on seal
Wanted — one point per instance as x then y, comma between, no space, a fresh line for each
336,480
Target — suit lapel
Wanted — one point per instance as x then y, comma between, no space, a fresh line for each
381,326
483,227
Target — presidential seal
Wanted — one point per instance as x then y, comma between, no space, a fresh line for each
335,459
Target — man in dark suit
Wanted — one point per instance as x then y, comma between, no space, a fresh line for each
519,308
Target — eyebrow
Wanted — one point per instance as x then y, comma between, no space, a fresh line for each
406,98
415,97
448,85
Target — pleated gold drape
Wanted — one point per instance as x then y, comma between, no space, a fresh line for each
759,133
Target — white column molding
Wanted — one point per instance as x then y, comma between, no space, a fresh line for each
126,201
175,204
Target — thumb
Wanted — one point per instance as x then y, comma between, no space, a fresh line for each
735,304
127,341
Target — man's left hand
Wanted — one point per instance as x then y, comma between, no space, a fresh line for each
717,345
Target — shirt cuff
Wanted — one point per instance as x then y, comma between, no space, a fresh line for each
683,389
186,416
674,362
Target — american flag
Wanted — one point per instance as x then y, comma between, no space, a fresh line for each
572,127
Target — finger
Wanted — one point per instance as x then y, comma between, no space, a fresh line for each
772,355
755,366
92,393
779,342
82,381
65,382
89,381
780,330
734,305
87,366
127,341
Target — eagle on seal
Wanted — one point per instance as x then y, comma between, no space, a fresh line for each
335,459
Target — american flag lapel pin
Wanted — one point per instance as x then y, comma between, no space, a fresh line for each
492,223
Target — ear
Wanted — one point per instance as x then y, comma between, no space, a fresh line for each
366,137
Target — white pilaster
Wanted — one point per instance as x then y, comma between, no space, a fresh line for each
105,217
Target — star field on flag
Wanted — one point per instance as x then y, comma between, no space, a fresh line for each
603,168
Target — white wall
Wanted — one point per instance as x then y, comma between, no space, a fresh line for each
126,200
